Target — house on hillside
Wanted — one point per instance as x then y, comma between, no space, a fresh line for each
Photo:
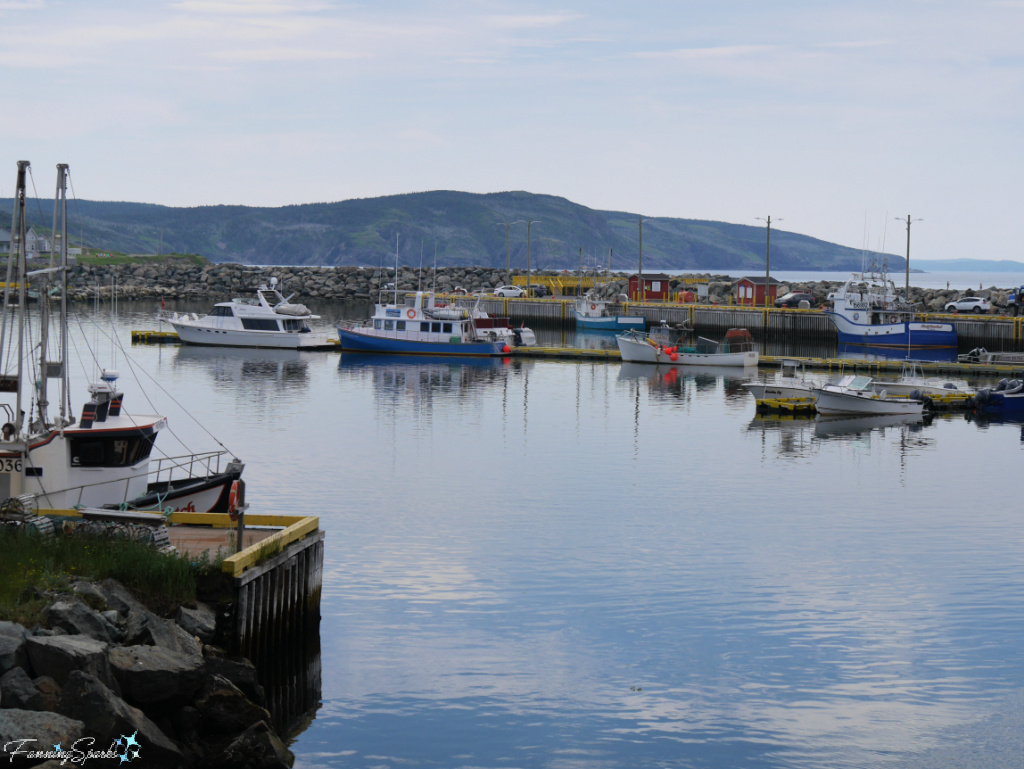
750,291
655,287
36,244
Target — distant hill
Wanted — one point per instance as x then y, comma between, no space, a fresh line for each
967,265
464,226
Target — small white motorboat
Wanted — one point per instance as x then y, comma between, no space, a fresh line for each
856,394
790,382
736,350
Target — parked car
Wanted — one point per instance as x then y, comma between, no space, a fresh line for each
512,291
793,299
541,290
968,304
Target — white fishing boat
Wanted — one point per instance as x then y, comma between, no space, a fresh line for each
103,458
595,314
856,394
268,320
790,382
736,350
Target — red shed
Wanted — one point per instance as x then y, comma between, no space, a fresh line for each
656,288
750,291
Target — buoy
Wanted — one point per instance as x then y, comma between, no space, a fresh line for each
673,357
506,349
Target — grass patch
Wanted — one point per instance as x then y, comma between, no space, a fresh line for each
33,563
116,258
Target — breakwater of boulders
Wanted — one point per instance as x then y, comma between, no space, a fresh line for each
179,279
104,678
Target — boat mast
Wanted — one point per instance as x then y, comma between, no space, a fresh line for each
396,269
640,269
18,235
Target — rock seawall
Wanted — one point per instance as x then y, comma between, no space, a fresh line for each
175,279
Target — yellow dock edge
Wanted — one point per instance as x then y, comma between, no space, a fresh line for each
295,528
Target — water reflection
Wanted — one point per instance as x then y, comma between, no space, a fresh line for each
826,427
258,372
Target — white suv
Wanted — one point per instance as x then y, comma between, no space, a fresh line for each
968,304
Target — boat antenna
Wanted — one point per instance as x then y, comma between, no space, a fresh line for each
396,268
433,285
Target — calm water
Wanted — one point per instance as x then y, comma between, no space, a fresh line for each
552,564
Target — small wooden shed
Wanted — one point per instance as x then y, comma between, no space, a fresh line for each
655,287
750,291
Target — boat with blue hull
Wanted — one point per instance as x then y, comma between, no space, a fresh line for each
421,327
594,315
1004,401
867,311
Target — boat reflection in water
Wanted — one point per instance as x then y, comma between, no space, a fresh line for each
257,372
866,352
672,379
835,426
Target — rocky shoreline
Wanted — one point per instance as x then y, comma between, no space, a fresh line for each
177,279
108,676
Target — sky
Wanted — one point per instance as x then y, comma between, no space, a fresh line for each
837,119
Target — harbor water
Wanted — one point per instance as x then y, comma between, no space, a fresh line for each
591,564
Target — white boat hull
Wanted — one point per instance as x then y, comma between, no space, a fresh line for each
833,400
195,333
769,390
640,351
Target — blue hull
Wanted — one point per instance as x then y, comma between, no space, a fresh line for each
612,323
914,334
355,342
999,405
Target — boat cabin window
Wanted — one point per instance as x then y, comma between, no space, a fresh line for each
435,327
294,324
260,324
378,324
222,311
446,328
424,327
399,325
389,325
104,451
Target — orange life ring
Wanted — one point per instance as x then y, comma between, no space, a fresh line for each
410,313
593,307
233,501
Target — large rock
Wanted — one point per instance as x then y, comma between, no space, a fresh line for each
12,652
18,691
151,674
59,656
147,629
23,731
200,621
78,619
241,673
225,710
255,748
107,718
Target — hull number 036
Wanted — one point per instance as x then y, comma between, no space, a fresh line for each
10,465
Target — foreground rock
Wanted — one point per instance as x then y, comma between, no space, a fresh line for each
121,678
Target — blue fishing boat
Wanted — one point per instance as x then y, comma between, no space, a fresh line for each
1005,400
420,326
868,311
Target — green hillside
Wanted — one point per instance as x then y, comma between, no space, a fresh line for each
463,226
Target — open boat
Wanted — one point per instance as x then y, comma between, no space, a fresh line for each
268,320
856,394
912,380
102,458
736,350
1005,400
790,382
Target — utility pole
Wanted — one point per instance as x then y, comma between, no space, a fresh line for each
508,268
909,220
767,257
529,284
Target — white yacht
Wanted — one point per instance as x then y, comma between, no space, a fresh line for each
268,320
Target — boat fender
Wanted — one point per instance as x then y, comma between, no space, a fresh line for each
506,349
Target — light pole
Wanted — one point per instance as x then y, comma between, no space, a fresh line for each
767,256
508,269
909,220
529,224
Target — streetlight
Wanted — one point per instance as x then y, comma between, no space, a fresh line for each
767,256
529,224
508,269
909,220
